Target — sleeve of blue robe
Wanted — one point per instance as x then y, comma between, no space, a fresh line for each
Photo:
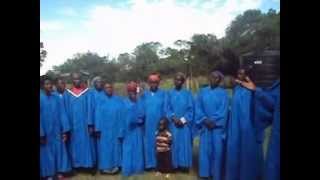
65,123
91,107
169,110
141,109
219,116
122,119
42,134
199,111
190,109
97,116
263,114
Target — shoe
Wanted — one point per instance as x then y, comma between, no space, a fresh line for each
158,173
167,176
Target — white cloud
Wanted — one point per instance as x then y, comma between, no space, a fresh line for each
50,26
116,30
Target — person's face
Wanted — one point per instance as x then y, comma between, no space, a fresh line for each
178,81
132,95
47,86
241,75
98,84
214,79
76,80
61,85
108,89
162,125
153,85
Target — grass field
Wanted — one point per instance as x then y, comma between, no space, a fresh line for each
192,175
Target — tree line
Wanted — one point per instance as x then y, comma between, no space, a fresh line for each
252,31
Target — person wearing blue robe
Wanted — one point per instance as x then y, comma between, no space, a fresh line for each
132,154
244,157
153,109
109,116
77,101
54,127
210,117
267,112
95,92
180,112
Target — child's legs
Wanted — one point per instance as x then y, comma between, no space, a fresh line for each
164,162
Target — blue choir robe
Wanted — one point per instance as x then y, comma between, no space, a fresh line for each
211,104
81,147
109,115
132,147
267,103
244,156
53,123
153,108
181,105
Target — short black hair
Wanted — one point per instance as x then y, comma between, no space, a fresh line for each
43,79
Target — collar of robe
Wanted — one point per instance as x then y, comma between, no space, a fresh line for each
77,95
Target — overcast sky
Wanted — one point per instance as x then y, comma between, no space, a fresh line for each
110,27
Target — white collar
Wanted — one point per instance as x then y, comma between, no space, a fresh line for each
85,90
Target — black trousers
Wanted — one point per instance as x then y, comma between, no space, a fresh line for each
164,164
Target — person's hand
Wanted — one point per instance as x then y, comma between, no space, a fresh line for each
64,137
43,140
91,130
176,121
209,124
248,83
97,134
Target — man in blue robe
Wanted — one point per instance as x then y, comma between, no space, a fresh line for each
77,100
54,127
210,116
153,109
180,112
132,154
244,156
267,112
109,115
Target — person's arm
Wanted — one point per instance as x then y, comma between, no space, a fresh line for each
200,116
189,115
219,117
98,117
122,119
65,123
141,109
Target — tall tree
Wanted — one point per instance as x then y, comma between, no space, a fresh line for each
43,53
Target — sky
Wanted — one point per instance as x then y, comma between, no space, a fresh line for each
111,27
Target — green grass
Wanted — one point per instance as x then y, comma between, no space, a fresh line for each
192,175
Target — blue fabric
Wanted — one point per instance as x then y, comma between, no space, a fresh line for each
81,145
109,117
244,156
153,107
53,123
268,112
211,104
132,154
181,104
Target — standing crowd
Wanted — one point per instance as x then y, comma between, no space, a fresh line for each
89,129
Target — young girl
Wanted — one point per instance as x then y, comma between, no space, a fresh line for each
163,147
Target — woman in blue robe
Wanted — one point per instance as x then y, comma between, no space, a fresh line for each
109,116
153,109
267,112
81,147
132,154
180,112
244,157
210,117
54,127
